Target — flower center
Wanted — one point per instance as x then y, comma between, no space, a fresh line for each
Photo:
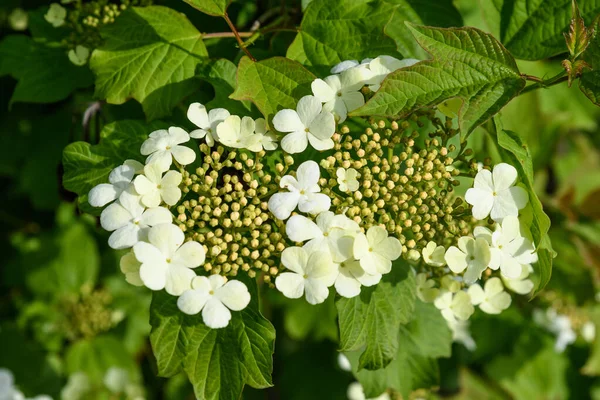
370,249
306,130
168,261
339,94
168,147
472,258
305,276
302,191
212,292
494,194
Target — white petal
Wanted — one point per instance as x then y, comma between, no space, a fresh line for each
308,108
477,294
190,255
290,284
171,195
295,142
316,291
154,274
343,66
216,116
484,181
320,144
150,145
346,285
178,135
504,206
389,248
191,302
323,125
215,315
353,100
145,252
504,176
510,268
360,246
124,237
482,202
234,294
179,279
114,217
314,203
166,237
308,174
282,204
143,185
295,259
198,134
287,121
322,90
183,155
163,158
102,194
198,116
300,229
155,216
519,196
456,259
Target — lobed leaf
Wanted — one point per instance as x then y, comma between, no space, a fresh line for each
467,64
217,8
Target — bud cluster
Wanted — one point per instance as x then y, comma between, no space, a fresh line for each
89,314
225,210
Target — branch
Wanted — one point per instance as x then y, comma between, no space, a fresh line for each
238,37
225,35
544,83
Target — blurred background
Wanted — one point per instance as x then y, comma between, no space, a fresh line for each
72,328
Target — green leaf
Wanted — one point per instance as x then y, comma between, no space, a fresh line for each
533,30
317,322
218,362
216,8
517,154
150,54
45,73
221,74
272,84
468,64
372,319
589,83
423,340
440,13
334,31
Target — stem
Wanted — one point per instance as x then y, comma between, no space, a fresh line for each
237,36
225,35
541,83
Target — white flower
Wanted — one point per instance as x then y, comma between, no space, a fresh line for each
322,235
434,255
311,274
265,139
509,250
450,283
471,254
214,296
79,56
164,145
381,66
521,285
346,178
116,379
426,291
461,334
356,392
7,382
303,193
492,299
154,187
347,64
588,331
344,363
238,133
56,15
207,122
454,306
130,267
130,221
167,262
558,324
309,123
376,250
78,387
18,19
119,178
351,277
340,93
493,193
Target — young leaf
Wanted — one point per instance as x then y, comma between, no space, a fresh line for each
516,153
467,63
218,362
272,84
45,73
373,318
533,30
589,83
423,340
150,54
216,8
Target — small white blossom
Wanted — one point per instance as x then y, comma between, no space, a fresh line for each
120,180
303,193
266,139
346,178
520,285
344,363
214,296
167,262
461,334
454,306
341,93
238,133
153,187
434,255
56,15
426,290
471,254
559,325
450,283
130,267
351,277
206,122
493,193
79,55
18,19
163,146
381,66
492,299
376,250
356,392
588,331
311,274
130,220
309,123
116,379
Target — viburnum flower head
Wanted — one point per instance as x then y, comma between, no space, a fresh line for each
454,306
493,193
376,250
346,178
309,123
163,146
206,122
311,274
381,66
214,296
341,93
167,262
303,192
119,181
509,250
434,255
153,187
238,133
130,221
492,299
472,255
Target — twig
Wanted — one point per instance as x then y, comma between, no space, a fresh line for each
544,83
226,35
237,36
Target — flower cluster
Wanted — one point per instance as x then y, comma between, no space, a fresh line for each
249,199
8,390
